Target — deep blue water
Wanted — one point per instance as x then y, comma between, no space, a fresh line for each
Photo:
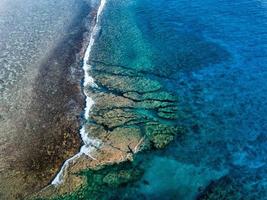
215,55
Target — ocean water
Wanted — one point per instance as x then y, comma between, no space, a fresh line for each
213,55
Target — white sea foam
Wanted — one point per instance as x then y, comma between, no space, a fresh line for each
89,144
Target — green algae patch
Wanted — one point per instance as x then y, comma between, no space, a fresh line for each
118,178
161,135
161,140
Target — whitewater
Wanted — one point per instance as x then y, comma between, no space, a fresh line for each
89,144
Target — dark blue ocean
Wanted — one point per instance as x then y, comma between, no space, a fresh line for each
213,55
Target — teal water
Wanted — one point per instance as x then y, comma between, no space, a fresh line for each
213,55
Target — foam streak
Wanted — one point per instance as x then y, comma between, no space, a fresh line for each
89,144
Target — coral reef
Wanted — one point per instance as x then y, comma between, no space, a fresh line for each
132,112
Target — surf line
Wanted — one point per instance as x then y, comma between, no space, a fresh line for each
89,144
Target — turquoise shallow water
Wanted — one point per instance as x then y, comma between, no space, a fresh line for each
213,55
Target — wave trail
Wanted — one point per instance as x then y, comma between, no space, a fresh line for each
89,144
